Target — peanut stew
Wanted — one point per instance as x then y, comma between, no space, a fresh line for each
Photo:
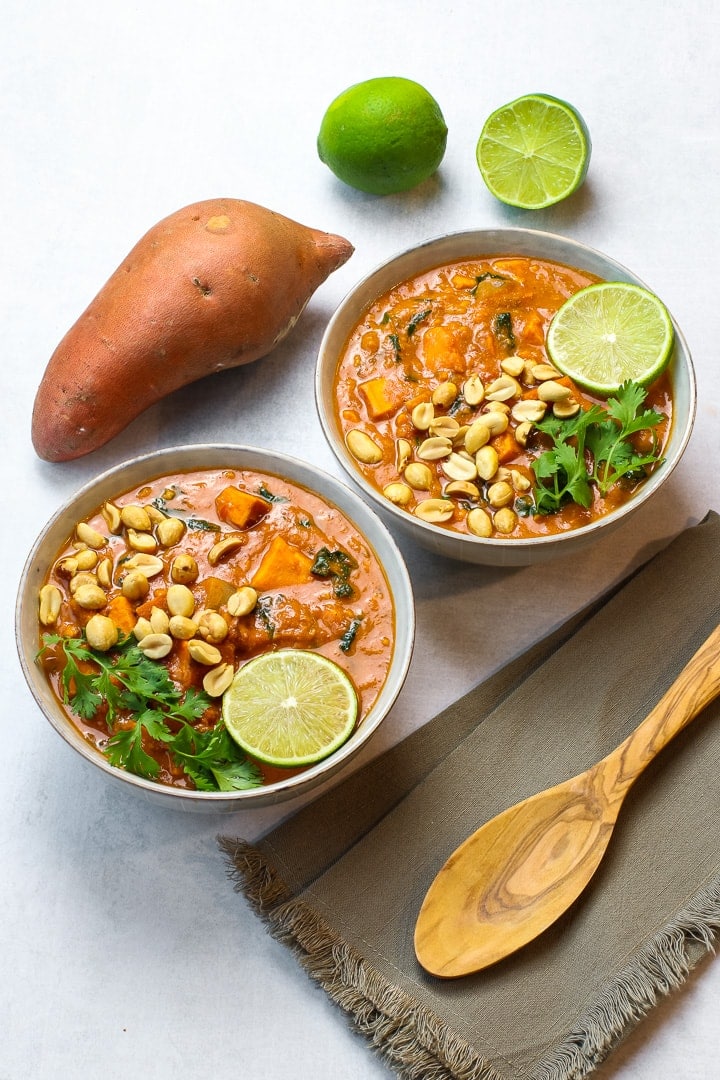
450,407
162,594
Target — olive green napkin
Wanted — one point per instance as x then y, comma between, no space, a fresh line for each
342,881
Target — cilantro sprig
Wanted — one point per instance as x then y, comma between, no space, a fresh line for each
561,471
126,683
594,449
609,443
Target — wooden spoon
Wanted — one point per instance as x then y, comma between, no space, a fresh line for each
520,871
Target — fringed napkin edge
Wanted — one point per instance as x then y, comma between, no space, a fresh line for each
412,1040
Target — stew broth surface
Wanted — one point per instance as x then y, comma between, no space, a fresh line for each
422,343
280,528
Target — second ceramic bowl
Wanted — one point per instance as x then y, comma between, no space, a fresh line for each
481,243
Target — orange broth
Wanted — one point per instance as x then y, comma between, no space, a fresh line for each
280,528
422,340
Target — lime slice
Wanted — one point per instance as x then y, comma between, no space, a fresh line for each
608,333
534,151
289,708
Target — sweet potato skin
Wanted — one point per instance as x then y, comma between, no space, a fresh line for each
214,285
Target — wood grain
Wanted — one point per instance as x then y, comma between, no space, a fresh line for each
519,872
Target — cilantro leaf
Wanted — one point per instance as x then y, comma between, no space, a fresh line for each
566,468
614,455
87,699
214,761
75,683
131,687
564,465
237,776
124,750
624,406
192,706
593,449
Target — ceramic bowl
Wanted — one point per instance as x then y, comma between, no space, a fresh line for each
471,244
131,474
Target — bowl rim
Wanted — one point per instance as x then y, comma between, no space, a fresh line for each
436,534
325,485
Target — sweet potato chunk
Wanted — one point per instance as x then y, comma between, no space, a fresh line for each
180,665
533,329
282,564
442,350
120,610
215,592
381,396
240,508
506,445
156,599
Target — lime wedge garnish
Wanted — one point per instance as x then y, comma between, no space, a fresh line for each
608,333
289,708
534,151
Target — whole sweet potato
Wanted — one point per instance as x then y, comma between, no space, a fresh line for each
212,286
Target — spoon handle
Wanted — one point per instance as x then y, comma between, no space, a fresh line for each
695,687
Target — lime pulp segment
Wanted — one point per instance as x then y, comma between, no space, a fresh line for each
290,707
609,333
534,151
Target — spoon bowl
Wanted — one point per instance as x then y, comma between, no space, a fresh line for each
518,873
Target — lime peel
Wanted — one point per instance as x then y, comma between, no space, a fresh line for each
290,707
383,136
609,333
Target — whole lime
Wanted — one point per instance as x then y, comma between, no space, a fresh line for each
383,135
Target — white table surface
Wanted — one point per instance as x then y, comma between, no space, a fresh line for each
125,950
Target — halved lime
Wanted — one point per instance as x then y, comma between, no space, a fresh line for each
608,333
291,707
534,151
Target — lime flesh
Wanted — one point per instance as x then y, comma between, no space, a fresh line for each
534,151
291,707
609,333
